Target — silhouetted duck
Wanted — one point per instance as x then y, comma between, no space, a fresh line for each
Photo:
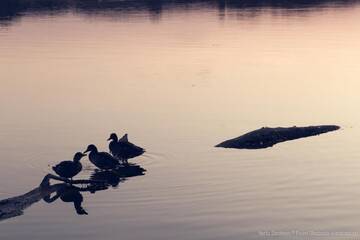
102,160
122,149
68,169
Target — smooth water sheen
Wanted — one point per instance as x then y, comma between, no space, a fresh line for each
179,80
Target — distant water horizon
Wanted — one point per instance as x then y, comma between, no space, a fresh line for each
10,10
180,77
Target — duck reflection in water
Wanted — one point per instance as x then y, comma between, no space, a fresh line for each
116,176
67,191
14,206
70,193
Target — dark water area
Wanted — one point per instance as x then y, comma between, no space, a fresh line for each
10,10
180,77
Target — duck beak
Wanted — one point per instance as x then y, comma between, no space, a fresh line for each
84,154
109,139
87,150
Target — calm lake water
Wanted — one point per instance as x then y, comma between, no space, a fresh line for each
180,78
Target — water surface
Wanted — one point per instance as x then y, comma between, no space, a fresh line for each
180,78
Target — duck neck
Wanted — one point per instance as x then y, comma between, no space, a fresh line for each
94,151
113,139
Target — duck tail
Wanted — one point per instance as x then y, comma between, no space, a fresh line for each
124,138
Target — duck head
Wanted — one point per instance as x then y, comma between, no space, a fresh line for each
113,137
91,148
78,156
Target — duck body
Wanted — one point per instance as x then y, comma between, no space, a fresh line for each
123,149
67,169
113,147
102,160
127,150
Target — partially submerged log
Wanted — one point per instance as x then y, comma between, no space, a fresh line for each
267,137
15,206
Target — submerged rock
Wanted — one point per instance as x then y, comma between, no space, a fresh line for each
267,137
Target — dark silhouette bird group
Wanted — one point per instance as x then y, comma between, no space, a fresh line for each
68,191
120,151
112,169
